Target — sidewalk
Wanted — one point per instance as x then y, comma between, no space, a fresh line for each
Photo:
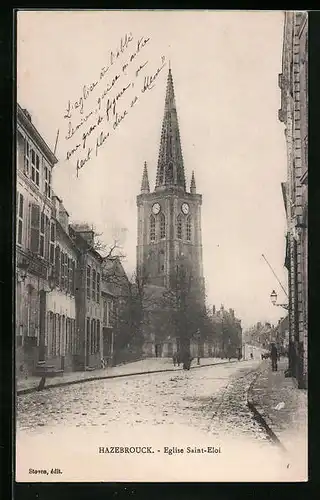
282,407
149,365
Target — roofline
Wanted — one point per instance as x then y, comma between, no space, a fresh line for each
34,132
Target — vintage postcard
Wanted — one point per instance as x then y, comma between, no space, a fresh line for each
161,246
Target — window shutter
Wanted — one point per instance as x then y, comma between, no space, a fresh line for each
57,265
52,242
34,228
47,236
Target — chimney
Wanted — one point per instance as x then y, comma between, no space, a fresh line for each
85,232
63,217
26,112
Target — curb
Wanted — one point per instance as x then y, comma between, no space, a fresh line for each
22,392
261,416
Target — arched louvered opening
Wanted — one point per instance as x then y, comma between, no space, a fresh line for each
179,227
189,228
162,226
152,228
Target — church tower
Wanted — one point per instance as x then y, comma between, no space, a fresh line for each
169,218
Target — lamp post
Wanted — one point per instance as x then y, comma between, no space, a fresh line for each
291,354
274,297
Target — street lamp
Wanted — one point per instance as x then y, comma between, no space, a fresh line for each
273,297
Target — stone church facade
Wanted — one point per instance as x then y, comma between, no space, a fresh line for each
169,223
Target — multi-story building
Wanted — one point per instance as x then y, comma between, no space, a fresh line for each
89,306
293,82
35,243
62,330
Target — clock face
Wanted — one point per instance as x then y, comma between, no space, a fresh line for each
156,208
185,208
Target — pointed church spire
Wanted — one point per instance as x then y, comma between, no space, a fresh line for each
170,171
145,188
193,184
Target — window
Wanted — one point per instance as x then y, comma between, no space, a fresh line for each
46,237
88,336
52,242
152,228
57,265
35,228
98,287
179,227
54,336
47,181
42,224
93,335
88,281
69,275
189,228
26,157
73,273
20,219
162,226
62,270
98,335
35,167
58,335
94,284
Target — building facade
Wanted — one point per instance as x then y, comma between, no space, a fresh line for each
89,305
293,82
35,243
62,329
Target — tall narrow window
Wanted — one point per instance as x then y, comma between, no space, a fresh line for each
88,282
98,287
162,226
69,275
37,170
46,237
189,228
33,164
52,241
62,270
73,276
94,284
152,228
26,157
93,335
179,227
35,228
57,265
98,335
47,181
88,336
20,219
42,230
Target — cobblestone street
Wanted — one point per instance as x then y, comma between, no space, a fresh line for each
200,408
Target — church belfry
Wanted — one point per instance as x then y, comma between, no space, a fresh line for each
169,218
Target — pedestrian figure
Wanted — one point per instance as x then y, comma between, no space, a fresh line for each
198,360
251,356
187,361
176,359
274,357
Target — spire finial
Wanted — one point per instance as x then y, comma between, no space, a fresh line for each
193,184
145,188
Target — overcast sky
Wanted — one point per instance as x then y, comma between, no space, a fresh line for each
225,68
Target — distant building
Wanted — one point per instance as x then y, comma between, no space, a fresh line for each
293,82
35,243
